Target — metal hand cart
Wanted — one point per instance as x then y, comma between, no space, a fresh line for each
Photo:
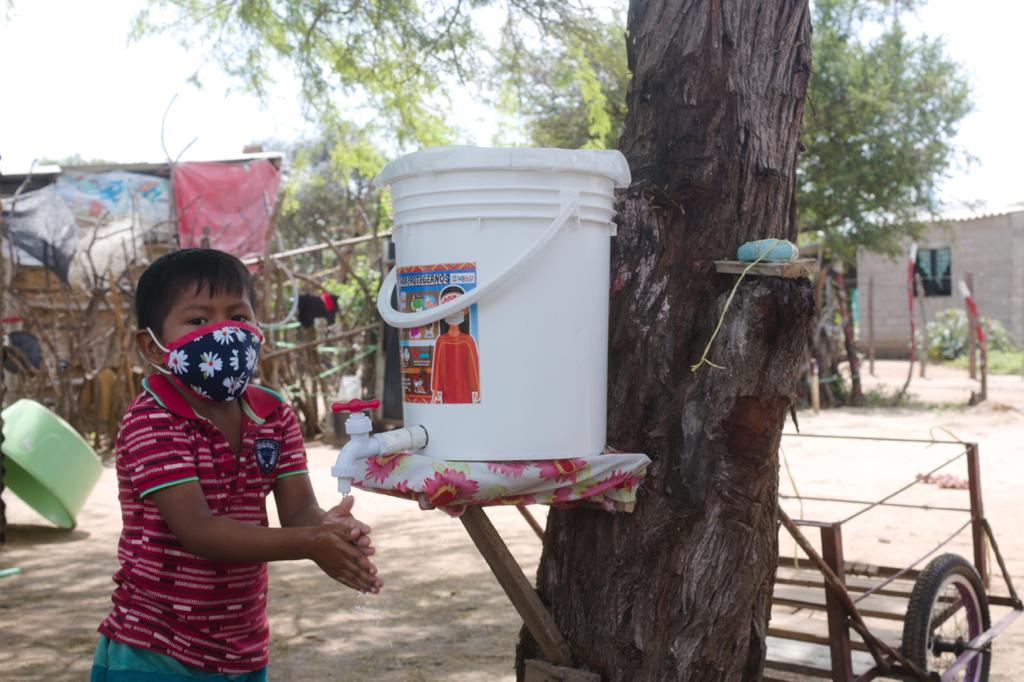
840,620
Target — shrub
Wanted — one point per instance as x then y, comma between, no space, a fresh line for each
947,335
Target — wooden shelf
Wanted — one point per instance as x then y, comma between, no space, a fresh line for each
805,267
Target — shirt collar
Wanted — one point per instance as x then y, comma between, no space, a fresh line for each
257,402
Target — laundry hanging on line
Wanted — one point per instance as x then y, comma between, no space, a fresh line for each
233,202
42,230
140,200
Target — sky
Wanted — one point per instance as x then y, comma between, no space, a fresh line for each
73,84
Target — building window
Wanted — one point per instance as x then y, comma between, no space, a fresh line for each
934,266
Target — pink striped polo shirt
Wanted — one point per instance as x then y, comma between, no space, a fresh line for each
206,614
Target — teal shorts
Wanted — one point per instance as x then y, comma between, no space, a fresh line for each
117,662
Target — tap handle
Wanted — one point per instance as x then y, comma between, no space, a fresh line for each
355,406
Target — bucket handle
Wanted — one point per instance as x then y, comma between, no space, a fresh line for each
570,205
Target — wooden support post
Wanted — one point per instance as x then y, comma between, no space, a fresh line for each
977,512
267,263
539,671
911,265
266,304
838,630
871,326
983,367
531,520
978,330
924,325
815,386
972,345
880,651
805,267
846,315
519,590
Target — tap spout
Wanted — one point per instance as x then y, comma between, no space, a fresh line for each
359,446
363,444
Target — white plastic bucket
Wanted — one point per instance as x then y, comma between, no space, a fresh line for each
524,234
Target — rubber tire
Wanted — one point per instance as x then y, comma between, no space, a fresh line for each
915,627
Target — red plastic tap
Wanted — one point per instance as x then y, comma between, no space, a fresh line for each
356,405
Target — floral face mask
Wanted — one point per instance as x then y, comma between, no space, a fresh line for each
215,361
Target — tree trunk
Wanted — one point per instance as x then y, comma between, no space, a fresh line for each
846,316
3,381
822,346
681,588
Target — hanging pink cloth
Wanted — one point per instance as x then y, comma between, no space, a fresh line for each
234,200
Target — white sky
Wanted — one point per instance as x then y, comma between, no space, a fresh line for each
71,84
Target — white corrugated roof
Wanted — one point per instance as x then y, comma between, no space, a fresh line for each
967,214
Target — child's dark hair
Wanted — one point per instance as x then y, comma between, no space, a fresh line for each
170,275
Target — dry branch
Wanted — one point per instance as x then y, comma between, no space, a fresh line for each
291,253
319,342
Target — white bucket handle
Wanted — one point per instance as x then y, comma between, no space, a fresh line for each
422,318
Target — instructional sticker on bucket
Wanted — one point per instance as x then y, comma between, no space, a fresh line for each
440,363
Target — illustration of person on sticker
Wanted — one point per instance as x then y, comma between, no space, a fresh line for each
455,377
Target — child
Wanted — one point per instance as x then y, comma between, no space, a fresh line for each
197,453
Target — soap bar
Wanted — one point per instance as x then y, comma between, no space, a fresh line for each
768,250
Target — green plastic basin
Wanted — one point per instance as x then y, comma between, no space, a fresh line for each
47,464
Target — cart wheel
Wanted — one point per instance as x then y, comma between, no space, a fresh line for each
947,609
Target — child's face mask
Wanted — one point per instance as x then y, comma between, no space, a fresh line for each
215,361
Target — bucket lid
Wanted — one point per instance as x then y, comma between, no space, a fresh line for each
609,163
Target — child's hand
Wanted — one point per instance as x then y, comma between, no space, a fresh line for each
341,514
336,550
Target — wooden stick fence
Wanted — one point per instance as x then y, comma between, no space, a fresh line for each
89,369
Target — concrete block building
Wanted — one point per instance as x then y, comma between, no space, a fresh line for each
990,247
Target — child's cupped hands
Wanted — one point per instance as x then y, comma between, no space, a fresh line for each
340,546
341,514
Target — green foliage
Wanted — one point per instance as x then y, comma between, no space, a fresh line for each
999,362
884,398
356,294
889,398
948,332
572,94
328,193
879,128
328,197
599,123
389,64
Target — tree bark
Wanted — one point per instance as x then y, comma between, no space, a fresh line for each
681,589
3,381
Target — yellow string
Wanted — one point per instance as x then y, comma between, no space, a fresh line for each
932,430
707,349
800,500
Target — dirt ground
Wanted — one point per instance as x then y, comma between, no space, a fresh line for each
442,615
